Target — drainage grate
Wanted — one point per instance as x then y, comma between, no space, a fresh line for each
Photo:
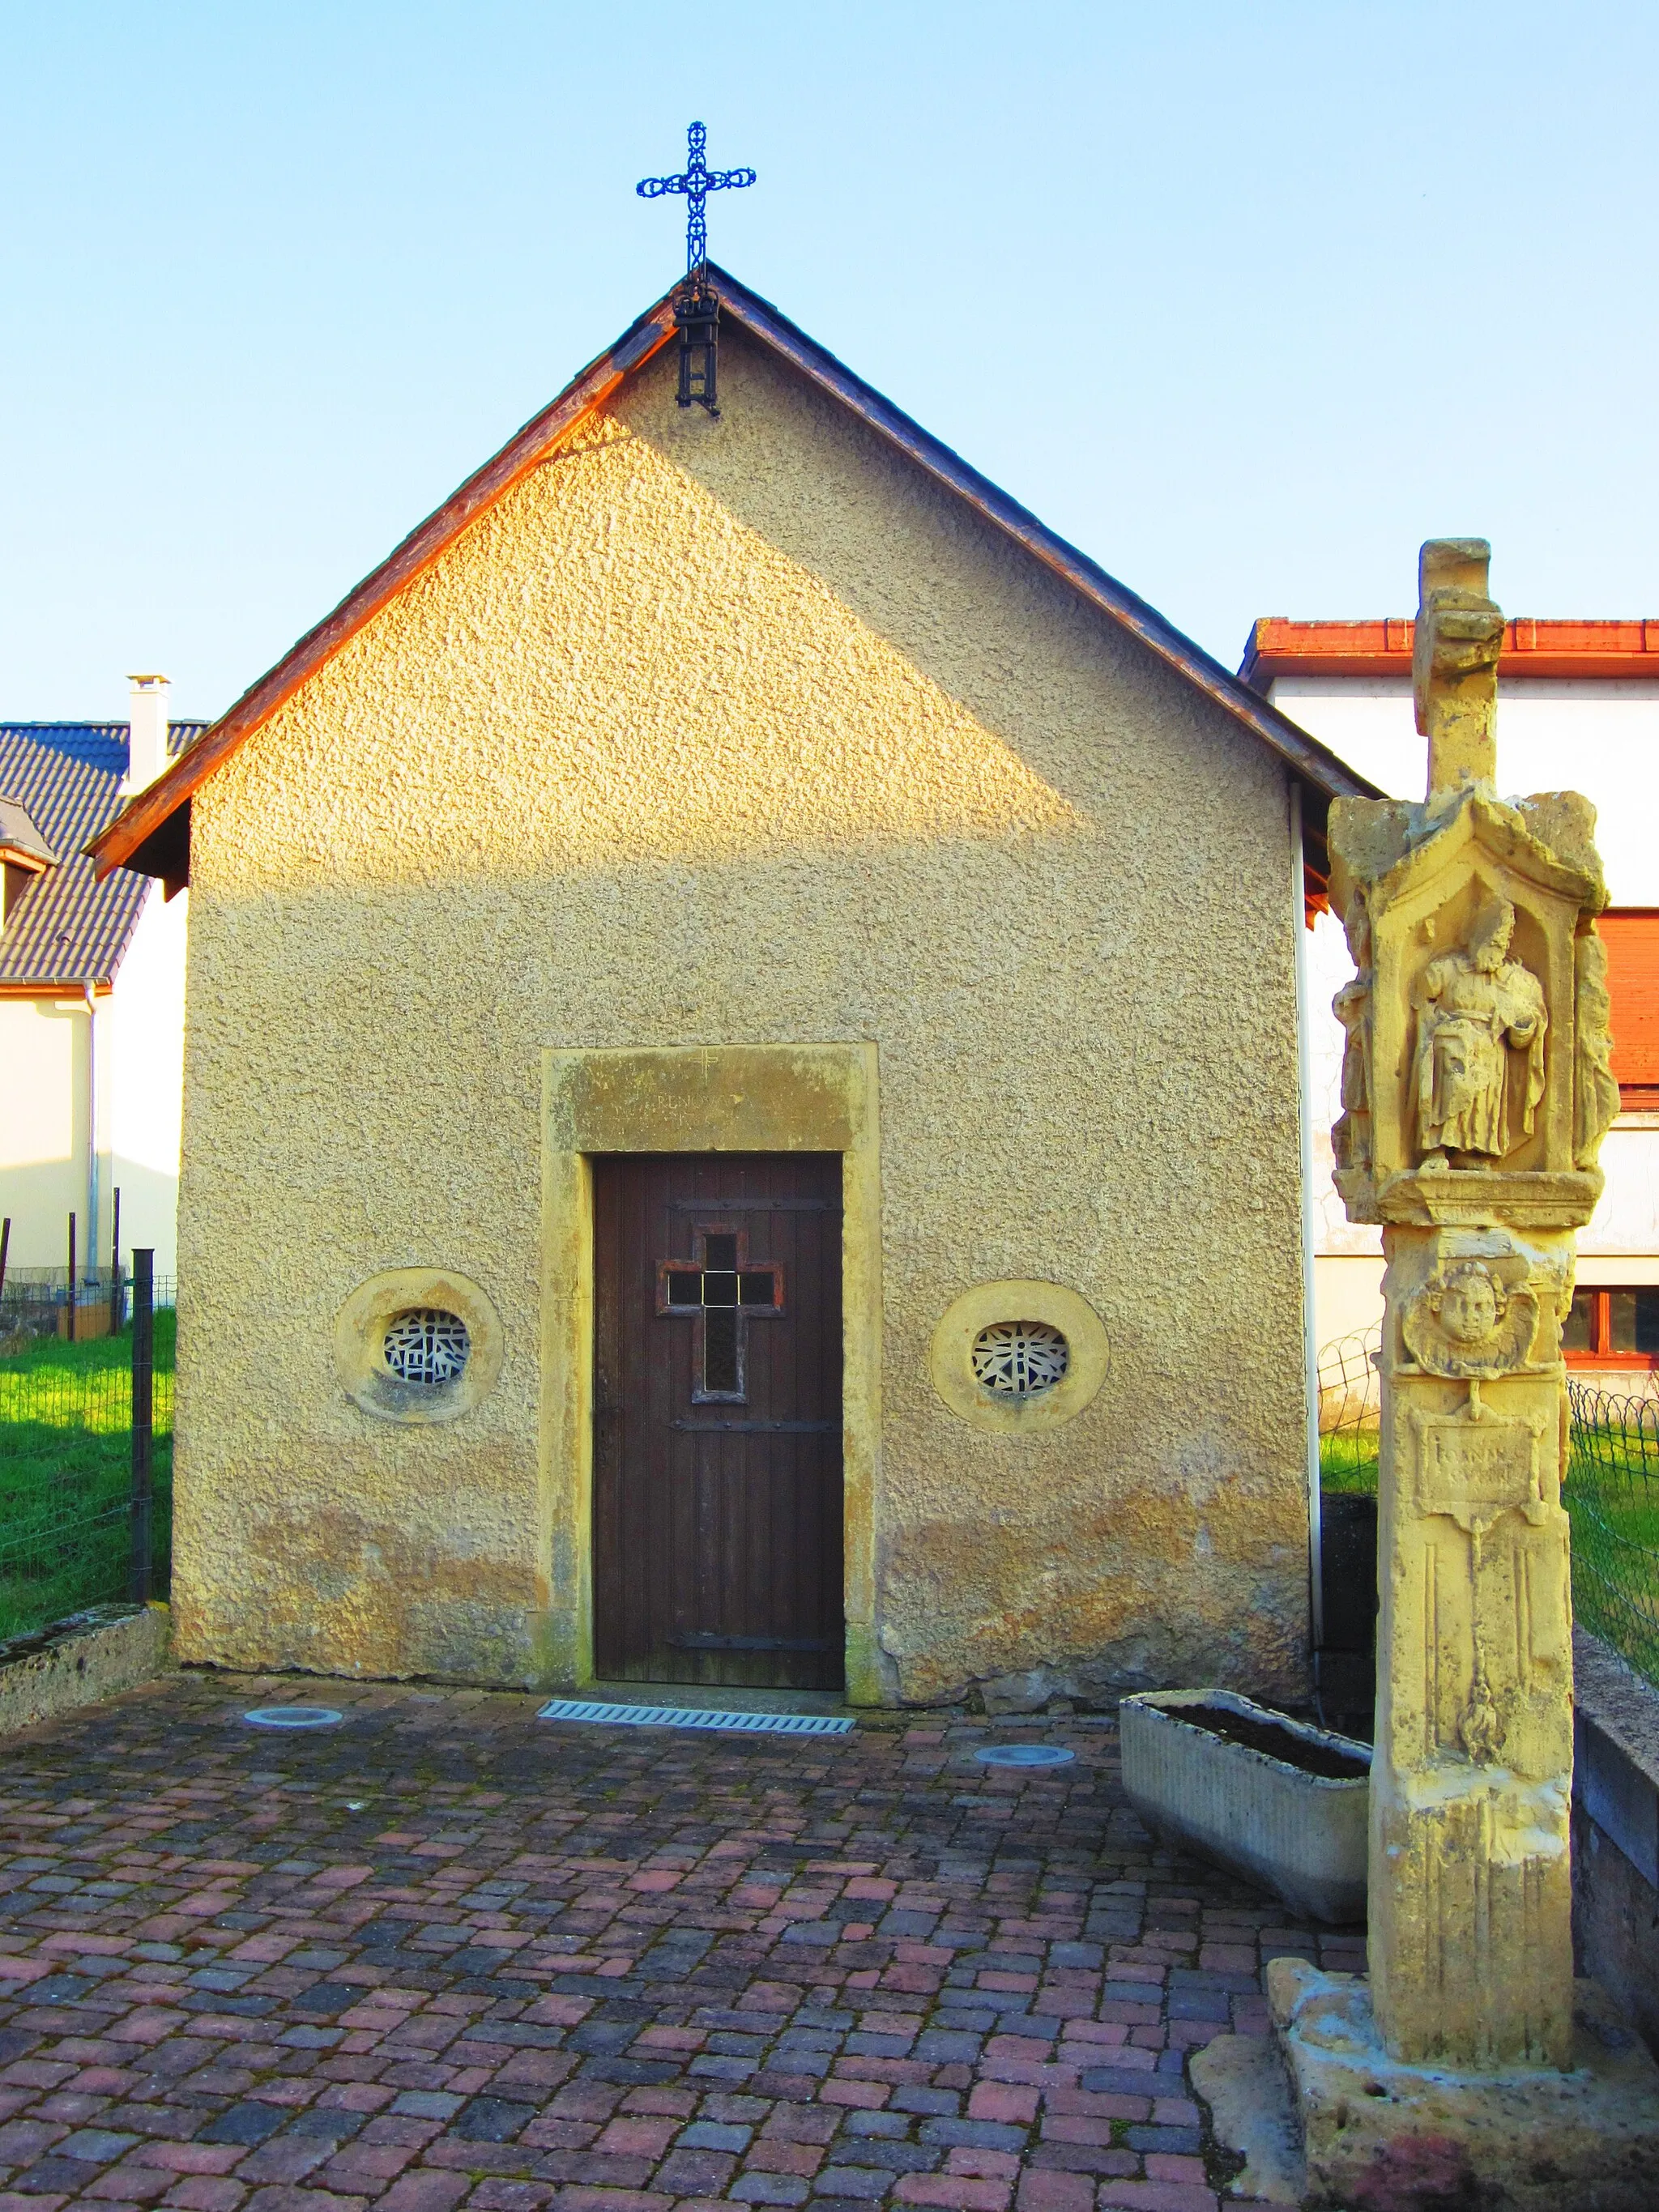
692,1716
1025,1754
295,1716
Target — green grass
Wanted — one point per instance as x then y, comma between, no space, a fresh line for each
1611,1497
1347,1462
66,1474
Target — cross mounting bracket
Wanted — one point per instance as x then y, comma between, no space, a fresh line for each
697,313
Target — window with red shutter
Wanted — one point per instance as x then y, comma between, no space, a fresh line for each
1613,1327
1631,937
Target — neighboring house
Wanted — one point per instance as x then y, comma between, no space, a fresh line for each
1578,708
92,996
741,1094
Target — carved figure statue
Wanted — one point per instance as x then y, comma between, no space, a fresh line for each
1350,1139
1482,1728
1475,1007
1595,1087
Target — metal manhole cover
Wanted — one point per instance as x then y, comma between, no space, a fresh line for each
294,1717
1025,1754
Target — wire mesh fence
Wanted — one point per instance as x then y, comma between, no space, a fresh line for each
1350,1410
1611,1493
67,1519
1350,1413
1613,1500
38,1301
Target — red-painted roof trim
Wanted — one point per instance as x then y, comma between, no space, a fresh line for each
1278,647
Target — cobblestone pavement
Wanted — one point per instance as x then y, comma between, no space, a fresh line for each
449,1954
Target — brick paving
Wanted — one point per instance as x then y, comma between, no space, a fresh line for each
446,1954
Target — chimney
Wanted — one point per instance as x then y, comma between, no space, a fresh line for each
147,744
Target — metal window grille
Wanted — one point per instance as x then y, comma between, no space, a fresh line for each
426,1345
1020,1358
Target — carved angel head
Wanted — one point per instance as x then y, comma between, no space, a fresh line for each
1466,1321
1470,1303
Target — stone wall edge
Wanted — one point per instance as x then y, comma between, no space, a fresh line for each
90,1660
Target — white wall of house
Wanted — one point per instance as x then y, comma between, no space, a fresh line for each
1599,736
141,1080
44,1105
43,1124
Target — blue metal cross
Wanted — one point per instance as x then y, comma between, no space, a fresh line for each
697,183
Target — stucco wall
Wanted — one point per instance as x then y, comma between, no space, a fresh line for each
742,731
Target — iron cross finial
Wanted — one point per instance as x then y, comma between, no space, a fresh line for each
699,309
697,183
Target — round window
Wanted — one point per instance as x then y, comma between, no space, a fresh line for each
1018,1378
424,1345
1020,1358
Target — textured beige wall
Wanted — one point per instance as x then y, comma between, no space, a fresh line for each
744,731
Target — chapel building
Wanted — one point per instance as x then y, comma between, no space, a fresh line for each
741,1109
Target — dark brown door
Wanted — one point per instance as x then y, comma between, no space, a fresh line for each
717,1439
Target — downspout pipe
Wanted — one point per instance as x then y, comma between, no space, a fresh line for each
91,1129
1309,1322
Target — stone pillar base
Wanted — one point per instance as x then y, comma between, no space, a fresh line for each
1393,2138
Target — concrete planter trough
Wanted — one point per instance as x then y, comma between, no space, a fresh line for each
1283,1804
78,1661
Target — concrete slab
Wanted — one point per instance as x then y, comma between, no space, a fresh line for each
1241,2079
1393,2138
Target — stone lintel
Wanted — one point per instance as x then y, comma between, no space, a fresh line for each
1377,2132
1533,1199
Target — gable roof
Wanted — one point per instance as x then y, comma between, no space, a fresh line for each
152,833
68,929
21,839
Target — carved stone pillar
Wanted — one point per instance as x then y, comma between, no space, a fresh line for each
1476,1093
1480,1165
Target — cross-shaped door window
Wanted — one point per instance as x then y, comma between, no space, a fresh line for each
719,1290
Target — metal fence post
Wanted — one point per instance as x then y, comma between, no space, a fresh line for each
68,1318
143,1314
115,1315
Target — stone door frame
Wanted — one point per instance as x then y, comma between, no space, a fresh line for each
699,1098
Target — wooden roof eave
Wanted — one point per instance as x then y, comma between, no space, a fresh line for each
26,857
67,986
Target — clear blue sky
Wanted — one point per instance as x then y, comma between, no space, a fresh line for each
1246,300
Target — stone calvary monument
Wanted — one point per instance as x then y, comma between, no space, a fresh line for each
1476,1091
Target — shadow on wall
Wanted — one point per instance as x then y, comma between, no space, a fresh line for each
1056,681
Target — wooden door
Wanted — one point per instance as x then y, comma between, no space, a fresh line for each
717,1424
